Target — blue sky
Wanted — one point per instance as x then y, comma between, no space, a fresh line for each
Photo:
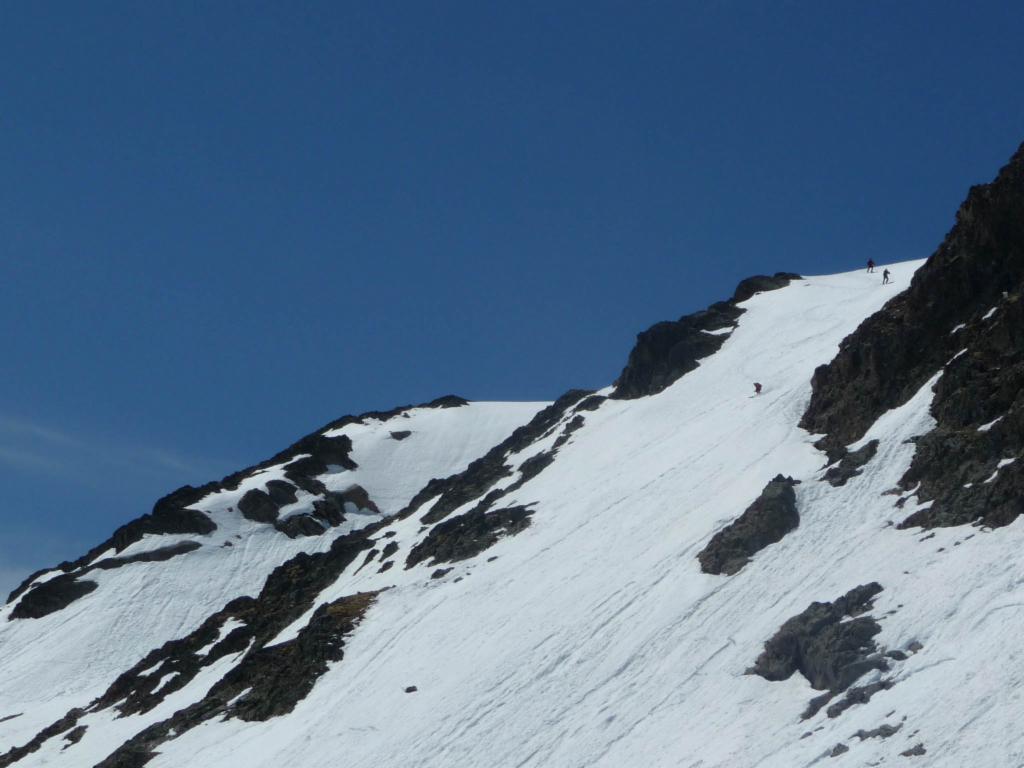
224,224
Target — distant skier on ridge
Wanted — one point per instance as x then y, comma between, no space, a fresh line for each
885,276
871,265
757,388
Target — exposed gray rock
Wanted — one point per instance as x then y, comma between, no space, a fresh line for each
857,695
830,652
978,267
884,731
152,556
256,505
668,350
770,517
281,492
300,524
851,463
468,535
477,480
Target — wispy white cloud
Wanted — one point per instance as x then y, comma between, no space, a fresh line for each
13,426
28,460
37,448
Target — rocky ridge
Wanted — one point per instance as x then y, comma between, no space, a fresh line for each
963,317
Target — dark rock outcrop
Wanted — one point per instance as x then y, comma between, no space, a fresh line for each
281,493
467,535
481,475
830,652
668,350
851,464
772,515
963,314
59,592
51,596
256,505
277,676
884,731
171,514
571,426
358,496
74,735
15,754
164,519
159,555
860,694
301,524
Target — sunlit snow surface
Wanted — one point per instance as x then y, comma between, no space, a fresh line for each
66,659
594,639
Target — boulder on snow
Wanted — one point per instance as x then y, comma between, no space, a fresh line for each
256,505
825,647
850,465
772,515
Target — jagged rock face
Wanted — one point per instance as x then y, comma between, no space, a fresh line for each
971,473
772,515
668,350
469,534
483,473
830,652
961,315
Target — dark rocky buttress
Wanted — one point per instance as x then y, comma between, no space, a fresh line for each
669,350
963,315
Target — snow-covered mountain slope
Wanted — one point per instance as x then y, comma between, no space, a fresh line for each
67,657
673,571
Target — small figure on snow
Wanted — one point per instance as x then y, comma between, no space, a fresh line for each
757,388
871,265
885,276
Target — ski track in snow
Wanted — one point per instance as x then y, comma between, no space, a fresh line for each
594,639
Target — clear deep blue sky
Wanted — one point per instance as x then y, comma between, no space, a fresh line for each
224,224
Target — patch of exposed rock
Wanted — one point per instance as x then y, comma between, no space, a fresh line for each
59,592
830,644
772,515
480,476
669,350
851,464
171,514
273,678
468,534
963,314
